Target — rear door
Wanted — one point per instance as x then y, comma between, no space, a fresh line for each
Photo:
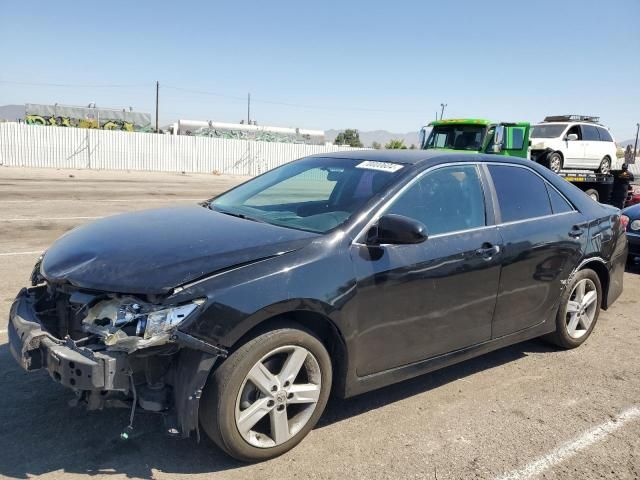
592,146
543,237
420,301
608,147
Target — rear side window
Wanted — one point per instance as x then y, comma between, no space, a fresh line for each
605,136
558,202
448,199
521,193
590,133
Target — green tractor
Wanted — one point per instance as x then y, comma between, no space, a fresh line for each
476,135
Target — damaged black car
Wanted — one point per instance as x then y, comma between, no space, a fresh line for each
340,272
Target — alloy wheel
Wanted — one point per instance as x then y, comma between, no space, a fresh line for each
272,407
581,308
555,164
605,166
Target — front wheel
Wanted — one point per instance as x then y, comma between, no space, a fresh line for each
554,162
267,396
605,166
579,310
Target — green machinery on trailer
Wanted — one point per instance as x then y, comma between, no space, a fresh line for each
476,135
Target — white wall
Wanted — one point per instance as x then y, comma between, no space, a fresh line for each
60,147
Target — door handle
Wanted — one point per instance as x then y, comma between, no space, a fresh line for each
576,231
487,250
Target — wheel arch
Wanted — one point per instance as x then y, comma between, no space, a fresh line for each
559,152
600,268
318,323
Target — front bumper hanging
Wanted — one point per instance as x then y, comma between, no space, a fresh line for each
67,363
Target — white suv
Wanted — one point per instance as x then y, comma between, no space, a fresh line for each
574,141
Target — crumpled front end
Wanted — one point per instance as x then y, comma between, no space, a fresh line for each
114,350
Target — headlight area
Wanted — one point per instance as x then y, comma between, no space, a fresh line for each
127,324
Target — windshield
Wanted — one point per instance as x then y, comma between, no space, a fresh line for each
547,131
456,137
316,194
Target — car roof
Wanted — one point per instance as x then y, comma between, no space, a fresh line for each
570,123
419,157
462,121
422,159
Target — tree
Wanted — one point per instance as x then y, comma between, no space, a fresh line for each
376,145
395,144
349,137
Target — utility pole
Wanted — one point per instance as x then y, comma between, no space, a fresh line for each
635,146
442,111
248,108
157,101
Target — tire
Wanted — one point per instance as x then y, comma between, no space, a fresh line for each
593,193
231,398
554,162
563,336
605,166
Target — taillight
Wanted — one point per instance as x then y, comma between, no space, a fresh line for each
624,221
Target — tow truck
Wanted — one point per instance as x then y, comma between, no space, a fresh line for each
477,135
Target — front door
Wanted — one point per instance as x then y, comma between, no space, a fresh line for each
420,301
574,157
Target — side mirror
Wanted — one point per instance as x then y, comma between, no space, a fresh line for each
572,137
422,137
498,139
396,230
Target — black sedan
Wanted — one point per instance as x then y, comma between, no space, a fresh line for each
631,217
340,272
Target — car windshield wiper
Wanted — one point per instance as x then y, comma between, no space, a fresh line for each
239,215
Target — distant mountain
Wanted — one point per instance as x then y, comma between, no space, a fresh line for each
624,143
380,136
12,113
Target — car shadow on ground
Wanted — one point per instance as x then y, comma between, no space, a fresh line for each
44,435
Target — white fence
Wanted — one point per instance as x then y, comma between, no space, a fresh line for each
60,147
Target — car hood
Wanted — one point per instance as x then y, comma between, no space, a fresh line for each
153,251
540,143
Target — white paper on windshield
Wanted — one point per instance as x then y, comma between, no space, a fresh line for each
381,166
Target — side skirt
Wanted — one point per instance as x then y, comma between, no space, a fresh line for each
382,379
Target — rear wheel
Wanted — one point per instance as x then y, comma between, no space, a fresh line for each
579,310
593,193
605,166
554,162
265,398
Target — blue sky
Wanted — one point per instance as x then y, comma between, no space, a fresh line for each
368,65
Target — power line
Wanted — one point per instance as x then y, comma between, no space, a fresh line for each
74,85
202,92
288,104
219,95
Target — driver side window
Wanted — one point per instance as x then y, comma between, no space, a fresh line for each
448,199
575,129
